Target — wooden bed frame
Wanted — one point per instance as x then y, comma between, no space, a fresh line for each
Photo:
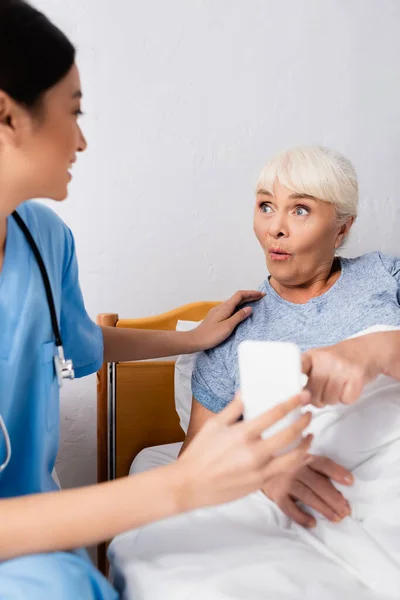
136,402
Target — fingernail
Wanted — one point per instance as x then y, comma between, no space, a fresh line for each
349,479
345,511
337,518
310,523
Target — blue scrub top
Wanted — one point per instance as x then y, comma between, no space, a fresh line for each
29,392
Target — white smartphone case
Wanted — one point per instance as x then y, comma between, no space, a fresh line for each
270,373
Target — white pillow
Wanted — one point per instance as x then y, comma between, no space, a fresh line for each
183,378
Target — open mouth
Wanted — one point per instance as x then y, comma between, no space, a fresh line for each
71,165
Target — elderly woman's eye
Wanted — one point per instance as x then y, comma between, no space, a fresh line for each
265,208
301,211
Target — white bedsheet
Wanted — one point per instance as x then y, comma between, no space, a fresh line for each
249,550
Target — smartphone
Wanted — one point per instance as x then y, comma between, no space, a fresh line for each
269,373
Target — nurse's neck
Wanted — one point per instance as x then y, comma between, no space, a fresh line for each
3,235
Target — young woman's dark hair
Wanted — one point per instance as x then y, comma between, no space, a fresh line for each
34,54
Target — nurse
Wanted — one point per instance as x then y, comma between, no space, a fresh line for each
40,102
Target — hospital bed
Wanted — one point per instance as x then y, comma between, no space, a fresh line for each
135,401
249,549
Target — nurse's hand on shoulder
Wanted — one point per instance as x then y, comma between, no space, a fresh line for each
228,459
223,319
338,373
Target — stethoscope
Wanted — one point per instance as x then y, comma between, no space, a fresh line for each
64,368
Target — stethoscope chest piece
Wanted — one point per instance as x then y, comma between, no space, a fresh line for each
64,368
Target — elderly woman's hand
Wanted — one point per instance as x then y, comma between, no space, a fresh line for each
311,485
338,373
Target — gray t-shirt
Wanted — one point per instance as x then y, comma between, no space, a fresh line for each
367,293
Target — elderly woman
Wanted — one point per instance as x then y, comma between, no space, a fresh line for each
306,204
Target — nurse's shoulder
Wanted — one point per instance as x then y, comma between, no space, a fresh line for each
52,235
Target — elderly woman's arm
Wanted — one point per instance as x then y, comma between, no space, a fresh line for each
338,373
198,417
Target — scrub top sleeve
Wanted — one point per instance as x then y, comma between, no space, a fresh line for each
82,338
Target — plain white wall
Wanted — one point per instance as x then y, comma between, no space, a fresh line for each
185,101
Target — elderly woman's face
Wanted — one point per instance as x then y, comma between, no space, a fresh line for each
299,234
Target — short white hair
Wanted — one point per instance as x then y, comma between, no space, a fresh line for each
316,171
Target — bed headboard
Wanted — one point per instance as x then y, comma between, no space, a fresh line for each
135,401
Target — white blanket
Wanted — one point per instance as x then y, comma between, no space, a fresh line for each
249,550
